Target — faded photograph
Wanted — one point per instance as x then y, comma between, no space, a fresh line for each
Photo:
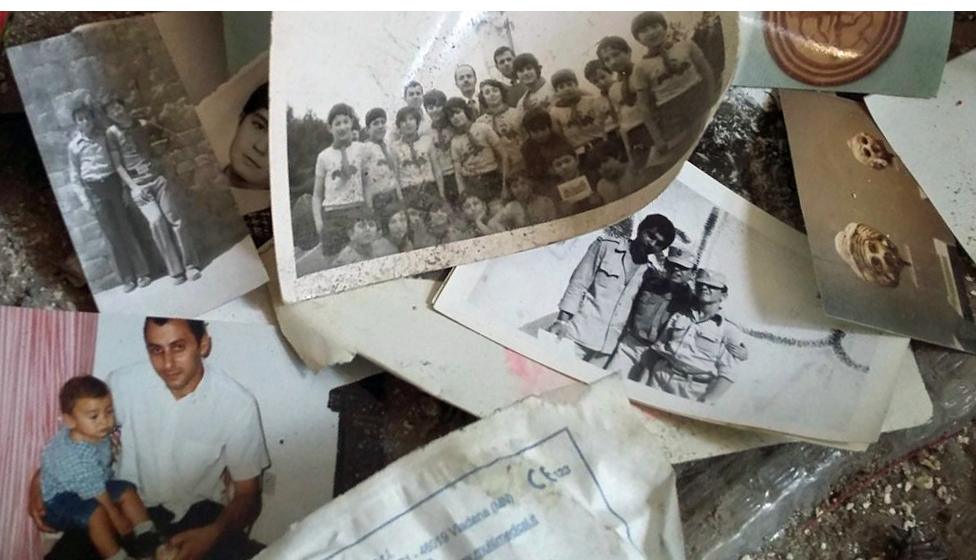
146,205
708,307
125,458
883,255
439,135
235,120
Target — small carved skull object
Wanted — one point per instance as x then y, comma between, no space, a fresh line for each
870,151
871,254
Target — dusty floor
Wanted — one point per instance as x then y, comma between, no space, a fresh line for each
932,490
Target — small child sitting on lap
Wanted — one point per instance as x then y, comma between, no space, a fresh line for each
76,477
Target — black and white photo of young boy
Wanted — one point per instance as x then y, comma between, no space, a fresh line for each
705,305
235,119
145,202
485,100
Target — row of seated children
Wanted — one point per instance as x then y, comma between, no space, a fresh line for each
432,221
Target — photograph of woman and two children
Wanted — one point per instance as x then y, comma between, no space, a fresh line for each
492,127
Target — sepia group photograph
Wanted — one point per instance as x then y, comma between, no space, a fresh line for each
453,137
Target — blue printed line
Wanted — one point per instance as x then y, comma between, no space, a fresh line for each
481,468
602,494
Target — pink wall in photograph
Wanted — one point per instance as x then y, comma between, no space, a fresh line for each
39,350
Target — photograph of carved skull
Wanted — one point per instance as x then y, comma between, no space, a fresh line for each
870,150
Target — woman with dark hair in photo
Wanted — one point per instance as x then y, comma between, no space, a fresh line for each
505,120
398,230
480,164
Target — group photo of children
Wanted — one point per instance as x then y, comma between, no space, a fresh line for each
529,144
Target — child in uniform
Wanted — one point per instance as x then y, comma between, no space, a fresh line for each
673,80
398,228
441,134
381,187
617,179
539,129
505,120
340,179
443,225
77,482
564,167
636,127
538,91
538,209
580,117
365,241
479,158
419,175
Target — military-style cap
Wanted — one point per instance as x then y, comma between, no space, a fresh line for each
681,256
710,278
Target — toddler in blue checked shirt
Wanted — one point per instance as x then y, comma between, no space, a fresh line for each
76,477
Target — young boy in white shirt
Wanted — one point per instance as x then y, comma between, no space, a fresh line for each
580,117
674,81
381,185
340,178
640,135
417,167
538,91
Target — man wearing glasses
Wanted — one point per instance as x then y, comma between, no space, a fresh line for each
661,295
698,348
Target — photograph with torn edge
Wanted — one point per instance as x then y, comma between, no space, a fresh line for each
893,53
235,119
454,137
704,302
882,253
148,210
152,386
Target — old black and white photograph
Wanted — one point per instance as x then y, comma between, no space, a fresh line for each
707,305
148,209
235,119
883,255
453,137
